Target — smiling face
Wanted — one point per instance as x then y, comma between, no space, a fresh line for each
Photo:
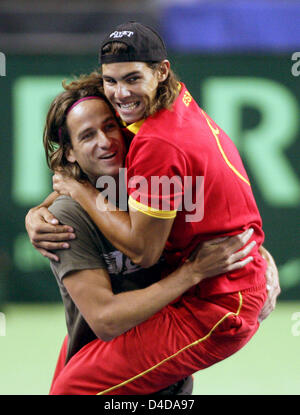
97,142
131,86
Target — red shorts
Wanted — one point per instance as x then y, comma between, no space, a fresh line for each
179,340
61,361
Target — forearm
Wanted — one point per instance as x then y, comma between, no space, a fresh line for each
49,200
272,284
46,203
127,310
264,253
110,315
114,224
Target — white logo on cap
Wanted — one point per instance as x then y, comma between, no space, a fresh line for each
117,35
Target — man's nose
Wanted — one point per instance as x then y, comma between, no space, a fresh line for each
122,91
102,140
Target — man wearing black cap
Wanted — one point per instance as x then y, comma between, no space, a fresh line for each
176,139
173,138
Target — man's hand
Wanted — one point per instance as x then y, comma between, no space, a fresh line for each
221,255
273,287
45,233
62,183
68,186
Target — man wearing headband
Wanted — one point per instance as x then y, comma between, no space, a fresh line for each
69,134
176,139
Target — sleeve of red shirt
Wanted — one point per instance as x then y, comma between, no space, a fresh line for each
155,177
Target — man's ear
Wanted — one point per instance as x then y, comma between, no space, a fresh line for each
164,70
70,155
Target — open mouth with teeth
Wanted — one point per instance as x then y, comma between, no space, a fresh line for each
129,107
108,156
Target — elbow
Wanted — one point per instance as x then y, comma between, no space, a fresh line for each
104,337
146,259
148,262
143,262
106,329
145,254
104,334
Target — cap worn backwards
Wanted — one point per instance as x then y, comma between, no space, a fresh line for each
144,44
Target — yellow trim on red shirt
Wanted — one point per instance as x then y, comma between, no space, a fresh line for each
155,213
216,133
135,127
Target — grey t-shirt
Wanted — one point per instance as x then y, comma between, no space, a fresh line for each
91,250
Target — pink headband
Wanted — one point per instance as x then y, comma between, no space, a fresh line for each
74,105
80,100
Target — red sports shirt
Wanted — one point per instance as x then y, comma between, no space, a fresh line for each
181,165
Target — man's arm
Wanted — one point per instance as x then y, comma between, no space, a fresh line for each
110,315
140,233
272,277
45,232
83,272
273,285
140,237
49,200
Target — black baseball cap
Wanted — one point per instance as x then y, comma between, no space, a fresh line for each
144,44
